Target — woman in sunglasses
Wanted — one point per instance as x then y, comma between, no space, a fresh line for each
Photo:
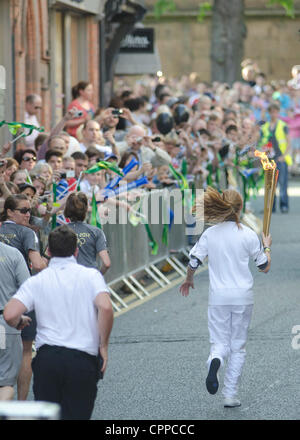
26,159
14,232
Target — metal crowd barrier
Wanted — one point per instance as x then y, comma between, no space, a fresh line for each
130,252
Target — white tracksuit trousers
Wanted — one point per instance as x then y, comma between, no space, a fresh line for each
228,330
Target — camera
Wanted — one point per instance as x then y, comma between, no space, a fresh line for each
156,139
117,112
78,114
44,198
2,163
63,175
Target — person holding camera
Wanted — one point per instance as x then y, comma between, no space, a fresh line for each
59,139
82,101
146,150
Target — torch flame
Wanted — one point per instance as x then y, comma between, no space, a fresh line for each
267,165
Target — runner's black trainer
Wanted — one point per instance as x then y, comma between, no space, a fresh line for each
212,383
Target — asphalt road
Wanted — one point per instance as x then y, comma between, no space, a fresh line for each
158,352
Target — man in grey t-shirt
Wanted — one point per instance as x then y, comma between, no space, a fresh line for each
13,272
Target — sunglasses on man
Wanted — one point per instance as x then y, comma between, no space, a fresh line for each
23,210
27,159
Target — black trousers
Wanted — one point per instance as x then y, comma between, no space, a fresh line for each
68,377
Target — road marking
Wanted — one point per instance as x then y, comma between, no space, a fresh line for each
259,400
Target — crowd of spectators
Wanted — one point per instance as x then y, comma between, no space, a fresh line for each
192,127
157,123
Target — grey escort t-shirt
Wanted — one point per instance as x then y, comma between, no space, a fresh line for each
20,237
13,273
91,241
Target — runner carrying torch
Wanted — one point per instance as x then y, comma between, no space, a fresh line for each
228,245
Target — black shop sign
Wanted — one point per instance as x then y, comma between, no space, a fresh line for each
139,41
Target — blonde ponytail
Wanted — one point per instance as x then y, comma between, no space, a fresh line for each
214,207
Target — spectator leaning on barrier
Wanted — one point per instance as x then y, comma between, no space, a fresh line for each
54,159
13,272
75,318
92,136
26,159
18,177
81,162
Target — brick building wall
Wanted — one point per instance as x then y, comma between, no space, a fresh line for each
93,58
33,58
30,24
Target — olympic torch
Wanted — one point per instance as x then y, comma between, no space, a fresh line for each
271,176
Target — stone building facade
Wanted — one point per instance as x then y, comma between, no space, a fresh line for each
184,44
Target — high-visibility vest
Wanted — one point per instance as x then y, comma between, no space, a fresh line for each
280,137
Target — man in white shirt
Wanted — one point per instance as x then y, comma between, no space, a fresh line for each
74,321
33,105
92,136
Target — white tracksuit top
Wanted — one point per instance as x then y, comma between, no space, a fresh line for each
228,249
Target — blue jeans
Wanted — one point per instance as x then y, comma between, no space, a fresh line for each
283,185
